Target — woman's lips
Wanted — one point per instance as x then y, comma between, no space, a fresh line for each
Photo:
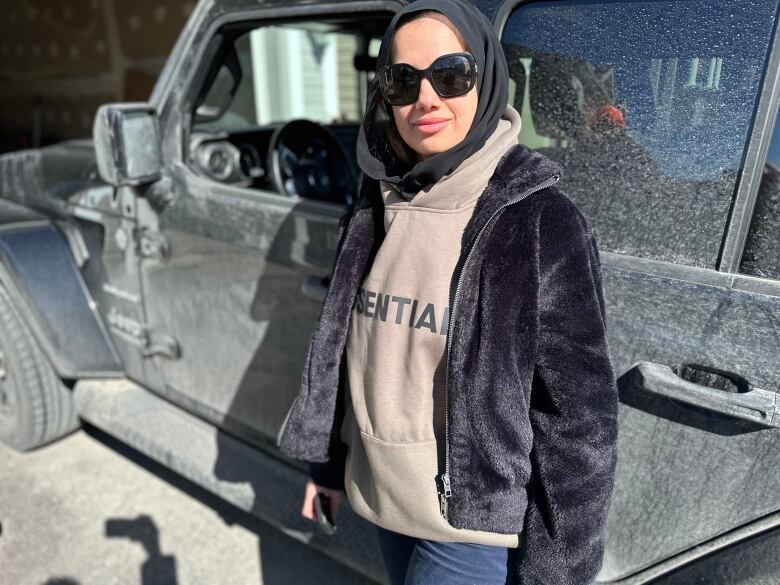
432,127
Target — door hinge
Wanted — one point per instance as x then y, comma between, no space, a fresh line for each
158,343
152,244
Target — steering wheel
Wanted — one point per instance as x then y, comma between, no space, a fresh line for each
305,159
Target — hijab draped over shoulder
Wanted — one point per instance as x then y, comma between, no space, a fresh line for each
375,155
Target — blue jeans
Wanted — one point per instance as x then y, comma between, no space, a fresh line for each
417,561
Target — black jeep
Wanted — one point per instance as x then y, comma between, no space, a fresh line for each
161,281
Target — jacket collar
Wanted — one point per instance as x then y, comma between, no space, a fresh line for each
521,168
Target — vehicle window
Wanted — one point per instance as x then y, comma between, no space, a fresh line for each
761,256
279,106
289,71
648,105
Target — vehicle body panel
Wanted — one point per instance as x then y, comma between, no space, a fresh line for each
686,476
241,259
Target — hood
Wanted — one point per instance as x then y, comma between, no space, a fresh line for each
520,168
461,188
49,174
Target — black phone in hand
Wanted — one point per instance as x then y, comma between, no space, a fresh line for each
324,511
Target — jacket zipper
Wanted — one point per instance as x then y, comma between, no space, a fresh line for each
445,491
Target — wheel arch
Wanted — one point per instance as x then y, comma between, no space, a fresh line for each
44,283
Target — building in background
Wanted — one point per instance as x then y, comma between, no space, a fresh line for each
61,59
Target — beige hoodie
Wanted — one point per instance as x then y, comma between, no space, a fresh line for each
394,415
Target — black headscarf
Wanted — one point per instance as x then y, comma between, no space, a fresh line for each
375,154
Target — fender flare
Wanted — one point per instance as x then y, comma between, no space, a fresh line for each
38,270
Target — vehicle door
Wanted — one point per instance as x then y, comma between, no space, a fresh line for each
659,113
237,265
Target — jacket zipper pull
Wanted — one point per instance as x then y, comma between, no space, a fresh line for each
445,482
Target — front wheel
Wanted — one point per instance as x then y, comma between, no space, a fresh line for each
36,408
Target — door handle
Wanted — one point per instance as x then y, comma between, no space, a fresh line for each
756,405
316,287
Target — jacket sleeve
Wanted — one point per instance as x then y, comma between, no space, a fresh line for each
330,474
573,408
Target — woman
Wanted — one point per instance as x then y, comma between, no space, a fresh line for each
458,385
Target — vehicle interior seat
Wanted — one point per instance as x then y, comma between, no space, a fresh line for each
557,101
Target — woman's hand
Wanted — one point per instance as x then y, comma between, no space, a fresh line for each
307,510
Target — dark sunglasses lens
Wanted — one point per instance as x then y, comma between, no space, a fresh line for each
400,84
452,76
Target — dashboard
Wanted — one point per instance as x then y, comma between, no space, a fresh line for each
241,158
236,158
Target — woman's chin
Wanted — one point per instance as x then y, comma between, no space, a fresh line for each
430,146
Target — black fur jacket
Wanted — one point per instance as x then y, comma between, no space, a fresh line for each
531,393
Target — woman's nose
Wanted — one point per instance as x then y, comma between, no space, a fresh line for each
427,96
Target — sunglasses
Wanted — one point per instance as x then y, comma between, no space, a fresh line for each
450,76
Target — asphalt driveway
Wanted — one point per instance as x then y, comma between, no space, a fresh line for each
89,510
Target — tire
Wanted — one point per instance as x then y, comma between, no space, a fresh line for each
36,408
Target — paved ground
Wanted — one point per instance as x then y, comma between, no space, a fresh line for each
88,510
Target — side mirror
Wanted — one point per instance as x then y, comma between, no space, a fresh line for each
127,144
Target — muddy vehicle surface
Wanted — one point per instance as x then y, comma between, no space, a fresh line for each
161,281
